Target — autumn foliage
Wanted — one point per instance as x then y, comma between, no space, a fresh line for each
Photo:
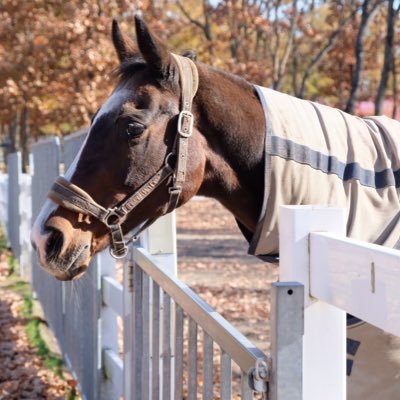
56,57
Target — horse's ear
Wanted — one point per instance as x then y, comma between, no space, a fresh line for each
124,46
153,50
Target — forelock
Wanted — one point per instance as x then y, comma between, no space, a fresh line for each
129,67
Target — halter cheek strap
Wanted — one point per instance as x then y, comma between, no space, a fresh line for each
72,197
189,80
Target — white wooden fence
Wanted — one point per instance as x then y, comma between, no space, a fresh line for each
339,275
4,201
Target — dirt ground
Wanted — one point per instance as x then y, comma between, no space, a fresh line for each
213,260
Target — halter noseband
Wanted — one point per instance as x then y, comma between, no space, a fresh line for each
72,197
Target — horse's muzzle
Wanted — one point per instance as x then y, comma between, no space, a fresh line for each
63,251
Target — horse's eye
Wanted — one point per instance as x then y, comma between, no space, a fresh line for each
134,129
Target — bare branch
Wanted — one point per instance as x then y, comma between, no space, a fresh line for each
203,27
324,50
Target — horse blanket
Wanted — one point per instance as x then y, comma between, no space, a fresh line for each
315,154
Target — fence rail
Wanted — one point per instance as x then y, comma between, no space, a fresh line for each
233,344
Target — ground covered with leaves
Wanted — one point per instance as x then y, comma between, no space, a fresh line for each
28,370
213,260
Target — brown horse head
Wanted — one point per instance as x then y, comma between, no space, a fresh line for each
134,135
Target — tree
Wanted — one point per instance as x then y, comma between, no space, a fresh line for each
368,10
56,57
324,50
388,56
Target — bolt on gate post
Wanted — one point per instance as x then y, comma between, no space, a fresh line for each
324,343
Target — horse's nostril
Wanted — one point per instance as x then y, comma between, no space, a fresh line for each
54,243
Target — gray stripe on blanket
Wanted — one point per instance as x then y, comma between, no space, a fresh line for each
329,164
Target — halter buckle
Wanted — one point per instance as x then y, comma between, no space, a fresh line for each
118,248
185,123
112,218
175,190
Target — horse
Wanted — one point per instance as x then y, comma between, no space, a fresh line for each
174,128
130,139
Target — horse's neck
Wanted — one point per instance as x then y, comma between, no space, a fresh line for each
232,121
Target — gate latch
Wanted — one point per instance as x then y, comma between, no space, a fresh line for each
260,376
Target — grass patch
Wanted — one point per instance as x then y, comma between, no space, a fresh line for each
6,252
50,360
72,395
16,285
12,265
3,240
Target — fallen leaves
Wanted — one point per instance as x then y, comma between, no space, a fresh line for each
213,261
220,270
22,374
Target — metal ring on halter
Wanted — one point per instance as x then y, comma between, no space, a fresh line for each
169,155
112,214
185,123
119,254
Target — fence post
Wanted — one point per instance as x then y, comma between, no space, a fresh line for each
45,167
128,326
111,385
287,330
4,202
25,214
19,214
160,242
324,342
14,218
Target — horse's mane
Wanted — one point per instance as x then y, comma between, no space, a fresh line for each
131,65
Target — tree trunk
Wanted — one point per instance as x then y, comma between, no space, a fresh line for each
13,134
277,41
12,131
295,67
359,54
387,61
322,53
288,48
24,134
394,87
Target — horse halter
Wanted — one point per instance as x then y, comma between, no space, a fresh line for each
72,197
